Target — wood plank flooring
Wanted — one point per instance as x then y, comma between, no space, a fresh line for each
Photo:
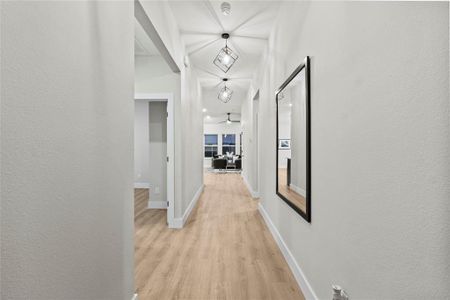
225,250
297,199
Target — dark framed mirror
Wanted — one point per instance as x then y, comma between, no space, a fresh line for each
293,164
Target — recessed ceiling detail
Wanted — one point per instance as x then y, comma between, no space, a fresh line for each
202,24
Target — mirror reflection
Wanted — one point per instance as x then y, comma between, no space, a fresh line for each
292,139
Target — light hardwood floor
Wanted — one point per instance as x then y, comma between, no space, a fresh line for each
225,250
297,199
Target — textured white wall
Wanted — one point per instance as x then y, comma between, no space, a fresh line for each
66,150
380,146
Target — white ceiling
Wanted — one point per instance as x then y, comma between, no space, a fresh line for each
201,25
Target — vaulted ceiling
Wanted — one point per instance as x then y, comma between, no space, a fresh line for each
202,24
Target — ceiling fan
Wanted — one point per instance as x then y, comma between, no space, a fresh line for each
228,120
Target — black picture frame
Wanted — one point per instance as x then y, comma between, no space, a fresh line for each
282,142
304,66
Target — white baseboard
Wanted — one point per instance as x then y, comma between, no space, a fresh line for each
249,187
141,185
298,190
135,297
179,222
157,204
300,277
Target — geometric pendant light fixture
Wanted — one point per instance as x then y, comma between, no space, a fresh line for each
225,93
226,57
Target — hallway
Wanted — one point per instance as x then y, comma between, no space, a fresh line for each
225,251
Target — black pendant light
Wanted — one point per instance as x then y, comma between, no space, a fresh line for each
226,57
225,93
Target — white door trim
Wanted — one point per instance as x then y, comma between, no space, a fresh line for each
160,97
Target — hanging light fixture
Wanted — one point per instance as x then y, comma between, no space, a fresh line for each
225,93
226,57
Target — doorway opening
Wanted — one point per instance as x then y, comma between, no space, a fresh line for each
154,150
157,87
157,83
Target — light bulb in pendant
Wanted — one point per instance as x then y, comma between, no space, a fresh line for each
226,59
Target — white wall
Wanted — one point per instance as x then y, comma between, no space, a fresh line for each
162,18
284,128
152,74
66,150
188,104
249,141
141,144
192,136
158,150
380,145
219,129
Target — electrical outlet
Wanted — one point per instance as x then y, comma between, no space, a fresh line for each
157,191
